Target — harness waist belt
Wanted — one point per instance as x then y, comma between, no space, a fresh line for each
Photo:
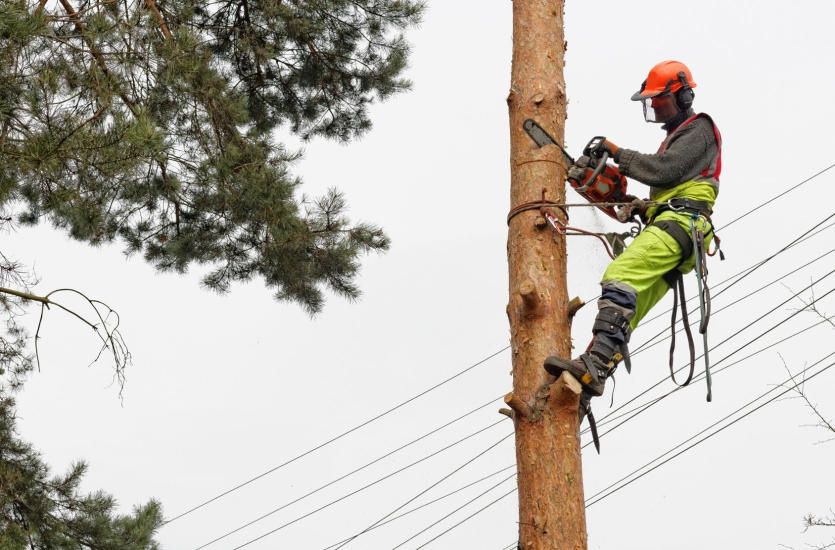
690,206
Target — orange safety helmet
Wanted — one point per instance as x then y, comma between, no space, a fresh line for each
667,76
667,90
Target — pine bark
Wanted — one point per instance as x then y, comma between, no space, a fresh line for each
551,503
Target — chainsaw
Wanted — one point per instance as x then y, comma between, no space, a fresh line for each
600,182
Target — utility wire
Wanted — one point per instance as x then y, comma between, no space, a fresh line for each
746,274
650,344
646,406
424,505
375,482
455,511
743,276
778,196
604,419
417,396
477,512
424,491
336,438
700,376
344,476
644,392
596,498
642,408
421,394
615,488
748,271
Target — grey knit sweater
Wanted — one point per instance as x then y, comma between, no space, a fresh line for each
692,150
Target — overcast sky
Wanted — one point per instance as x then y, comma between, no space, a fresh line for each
225,387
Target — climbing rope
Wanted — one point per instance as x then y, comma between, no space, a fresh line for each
534,205
612,242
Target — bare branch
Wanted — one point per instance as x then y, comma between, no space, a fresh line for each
105,329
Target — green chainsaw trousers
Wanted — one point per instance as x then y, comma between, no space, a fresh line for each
648,258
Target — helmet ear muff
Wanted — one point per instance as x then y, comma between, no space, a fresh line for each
685,95
684,98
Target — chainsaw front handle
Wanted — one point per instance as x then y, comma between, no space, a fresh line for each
601,165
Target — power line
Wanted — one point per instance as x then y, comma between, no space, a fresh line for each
746,274
335,438
424,505
417,396
778,196
458,509
743,215
477,512
751,324
596,498
644,392
608,416
460,373
650,344
808,234
375,482
424,491
593,497
644,408
698,377
352,472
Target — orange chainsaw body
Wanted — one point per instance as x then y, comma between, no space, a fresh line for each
608,186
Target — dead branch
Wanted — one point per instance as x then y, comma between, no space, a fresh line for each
105,324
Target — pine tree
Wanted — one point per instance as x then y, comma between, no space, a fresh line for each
39,511
154,122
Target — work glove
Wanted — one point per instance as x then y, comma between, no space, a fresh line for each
611,148
636,206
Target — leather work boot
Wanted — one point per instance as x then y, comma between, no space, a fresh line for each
588,368
607,349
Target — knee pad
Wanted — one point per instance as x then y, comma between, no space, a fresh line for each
620,295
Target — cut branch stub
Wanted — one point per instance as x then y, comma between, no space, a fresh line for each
520,408
565,393
574,306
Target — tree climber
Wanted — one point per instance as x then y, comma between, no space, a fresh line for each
683,177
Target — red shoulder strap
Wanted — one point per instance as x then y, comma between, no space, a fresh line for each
715,168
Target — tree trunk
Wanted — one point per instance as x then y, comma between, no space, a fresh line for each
551,507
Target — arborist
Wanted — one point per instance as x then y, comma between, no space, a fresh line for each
683,177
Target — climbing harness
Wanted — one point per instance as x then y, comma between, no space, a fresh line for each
690,243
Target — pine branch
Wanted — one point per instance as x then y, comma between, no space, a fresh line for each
152,5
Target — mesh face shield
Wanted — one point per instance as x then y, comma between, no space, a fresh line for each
659,108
